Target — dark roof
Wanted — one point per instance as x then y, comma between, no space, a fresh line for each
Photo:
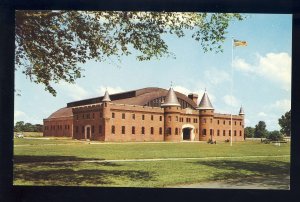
135,97
63,112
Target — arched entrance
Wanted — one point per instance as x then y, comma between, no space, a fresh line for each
186,133
88,132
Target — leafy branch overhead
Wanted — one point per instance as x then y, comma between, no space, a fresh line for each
50,44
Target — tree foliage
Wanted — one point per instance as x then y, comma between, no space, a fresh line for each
260,130
285,123
275,136
20,126
50,44
249,132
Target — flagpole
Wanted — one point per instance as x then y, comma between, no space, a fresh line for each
232,44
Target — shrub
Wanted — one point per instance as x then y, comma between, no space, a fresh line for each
275,136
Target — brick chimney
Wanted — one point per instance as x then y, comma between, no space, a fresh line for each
193,97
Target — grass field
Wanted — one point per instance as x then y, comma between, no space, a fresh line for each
69,162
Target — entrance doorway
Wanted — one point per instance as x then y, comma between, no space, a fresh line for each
87,132
186,133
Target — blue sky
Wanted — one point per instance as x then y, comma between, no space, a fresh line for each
261,74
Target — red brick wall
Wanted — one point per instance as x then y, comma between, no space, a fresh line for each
58,127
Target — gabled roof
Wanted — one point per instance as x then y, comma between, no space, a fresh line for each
63,112
171,99
205,102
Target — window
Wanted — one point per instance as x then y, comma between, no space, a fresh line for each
113,130
113,115
224,133
143,117
229,122
93,129
133,116
211,132
229,132
176,118
133,130
218,132
210,120
240,123
218,122
168,131
100,129
123,129
82,129
160,130
240,133
143,130
160,118
151,117
203,120
101,115
65,127
176,131
123,115
235,133
152,130
204,132
93,115
169,117
196,130
68,127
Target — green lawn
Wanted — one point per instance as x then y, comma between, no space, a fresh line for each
43,163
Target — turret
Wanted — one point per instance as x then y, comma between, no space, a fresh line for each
171,117
206,117
242,113
106,113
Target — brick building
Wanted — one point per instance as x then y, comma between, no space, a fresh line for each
148,114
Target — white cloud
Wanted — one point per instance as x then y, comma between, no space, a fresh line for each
262,114
19,114
216,76
231,101
111,90
74,91
186,91
275,67
284,105
242,65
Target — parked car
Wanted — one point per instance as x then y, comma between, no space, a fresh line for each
19,135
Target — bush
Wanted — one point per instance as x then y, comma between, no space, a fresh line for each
227,140
275,136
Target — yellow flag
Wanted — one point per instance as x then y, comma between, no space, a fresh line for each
239,43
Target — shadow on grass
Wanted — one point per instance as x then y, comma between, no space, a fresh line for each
35,159
62,177
51,170
262,173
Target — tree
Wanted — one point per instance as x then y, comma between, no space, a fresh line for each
249,132
285,123
19,126
260,130
50,44
275,136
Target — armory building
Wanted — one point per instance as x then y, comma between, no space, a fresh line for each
148,114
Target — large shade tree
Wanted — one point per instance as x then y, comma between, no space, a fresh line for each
51,44
260,130
285,123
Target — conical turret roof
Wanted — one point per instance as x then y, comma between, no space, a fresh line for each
106,97
205,102
171,99
241,111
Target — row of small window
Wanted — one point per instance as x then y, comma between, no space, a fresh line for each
133,130
113,115
87,116
211,132
218,121
92,129
57,127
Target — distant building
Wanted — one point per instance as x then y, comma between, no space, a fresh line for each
148,114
